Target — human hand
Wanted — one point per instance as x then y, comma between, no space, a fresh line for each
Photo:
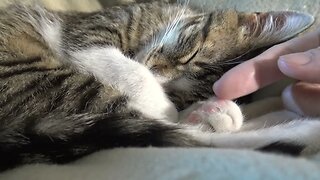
298,58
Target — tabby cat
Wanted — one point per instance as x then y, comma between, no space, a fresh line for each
75,83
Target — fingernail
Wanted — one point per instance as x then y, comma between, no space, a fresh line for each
286,65
295,62
289,101
215,86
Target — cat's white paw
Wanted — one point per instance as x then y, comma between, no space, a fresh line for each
130,78
216,115
155,107
150,98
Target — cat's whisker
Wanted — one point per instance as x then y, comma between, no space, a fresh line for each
230,63
211,67
173,25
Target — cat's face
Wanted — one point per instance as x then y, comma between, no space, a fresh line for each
197,50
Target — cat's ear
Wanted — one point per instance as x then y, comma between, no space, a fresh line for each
268,28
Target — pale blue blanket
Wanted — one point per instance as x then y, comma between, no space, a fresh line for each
174,163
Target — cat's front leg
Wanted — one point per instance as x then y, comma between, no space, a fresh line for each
132,79
213,115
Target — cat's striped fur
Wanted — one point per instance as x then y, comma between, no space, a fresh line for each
74,83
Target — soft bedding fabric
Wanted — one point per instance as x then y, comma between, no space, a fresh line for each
174,163
61,5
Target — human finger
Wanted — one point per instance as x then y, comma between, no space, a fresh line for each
302,98
303,66
261,70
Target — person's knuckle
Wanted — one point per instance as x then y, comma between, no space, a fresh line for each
284,48
313,54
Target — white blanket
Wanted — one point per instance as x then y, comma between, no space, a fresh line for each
174,163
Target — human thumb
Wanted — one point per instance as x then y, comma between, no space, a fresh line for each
302,66
302,98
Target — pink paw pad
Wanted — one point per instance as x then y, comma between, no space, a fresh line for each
213,106
215,115
194,118
209,108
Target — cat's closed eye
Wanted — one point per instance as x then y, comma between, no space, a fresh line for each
189,57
